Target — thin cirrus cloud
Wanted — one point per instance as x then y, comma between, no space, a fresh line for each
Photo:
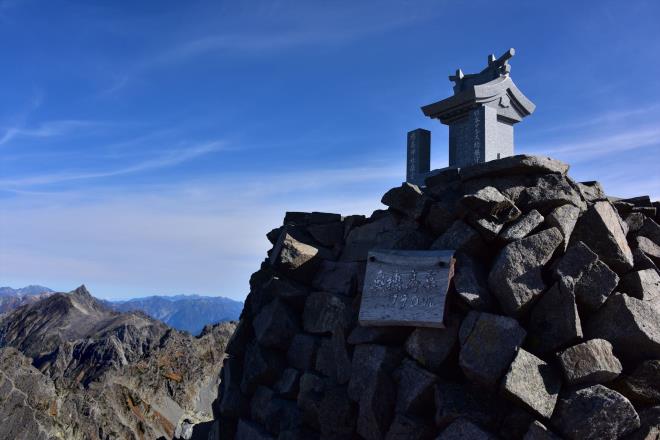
46,130
297,26
164,159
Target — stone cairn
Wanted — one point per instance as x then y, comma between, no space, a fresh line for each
552,324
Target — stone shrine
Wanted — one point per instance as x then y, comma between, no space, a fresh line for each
480,115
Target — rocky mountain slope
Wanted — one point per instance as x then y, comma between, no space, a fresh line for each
11,299
184,312
553,318
76,369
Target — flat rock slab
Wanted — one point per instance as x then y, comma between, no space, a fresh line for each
631,325
594,413
600,229
532,383
368,361
488,345
564,217
590,363
589,278
294,258
471,283
406,288
554,321
641,284
431,346
414,388
515,278
519,164
522,226
407,199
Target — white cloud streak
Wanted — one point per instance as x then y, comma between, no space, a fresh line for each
165,159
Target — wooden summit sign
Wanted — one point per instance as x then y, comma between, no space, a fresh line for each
406,288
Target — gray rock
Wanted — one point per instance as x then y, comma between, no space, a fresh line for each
454,400
548,192
590,363
287,385
288,290
554,321
405,427
650,425
407,199
470,283
522,227
642,387
594,413
332,358
489,202
441,215
376,407
414,388
325,311
532,383
302,351
564,217
328,234
488,345
461,237
591,191
342,277
260,367
368,361
310,398
651,230
537,431
600,229
647,246
294,258
631,325
248,430
431,346
337,414
462,429
232,402
519,164
642,261
641,284
515,278
275,325
634,221
590,279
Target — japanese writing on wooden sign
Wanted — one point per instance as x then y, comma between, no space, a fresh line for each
406,288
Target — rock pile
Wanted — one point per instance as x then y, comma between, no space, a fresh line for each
552,325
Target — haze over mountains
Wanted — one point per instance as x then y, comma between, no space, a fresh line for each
183,312
73,368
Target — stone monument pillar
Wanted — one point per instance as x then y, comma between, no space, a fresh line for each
481,113
419,155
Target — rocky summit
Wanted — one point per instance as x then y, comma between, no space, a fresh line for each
72,368
552,323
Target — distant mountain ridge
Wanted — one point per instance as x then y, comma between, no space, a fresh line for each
11,299
73,368
184,312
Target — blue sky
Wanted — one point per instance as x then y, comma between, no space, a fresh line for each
148,147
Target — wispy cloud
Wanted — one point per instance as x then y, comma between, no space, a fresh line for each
588,147
281,26
164,159
45,130
197,236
